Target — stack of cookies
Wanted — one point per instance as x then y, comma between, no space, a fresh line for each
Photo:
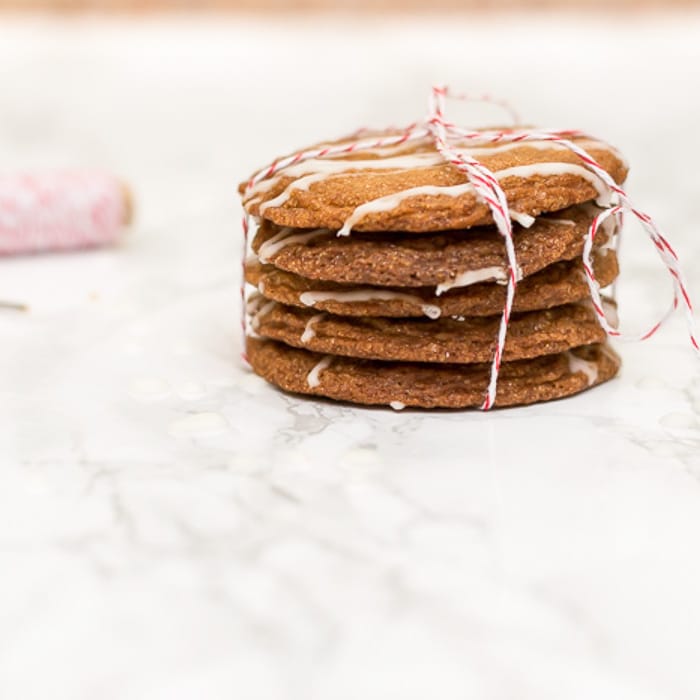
380,276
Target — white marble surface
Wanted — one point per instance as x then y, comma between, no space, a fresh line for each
170,527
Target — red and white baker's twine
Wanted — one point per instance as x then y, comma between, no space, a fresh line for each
59,211
489,190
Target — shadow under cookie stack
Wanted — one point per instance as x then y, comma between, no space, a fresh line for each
381,278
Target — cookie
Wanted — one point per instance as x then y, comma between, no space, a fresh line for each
445,260
430,385
412,188
468,340
558,284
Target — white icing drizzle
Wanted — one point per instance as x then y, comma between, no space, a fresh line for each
329,166
256,307
464,279
313,378
610,244
309,331
368,294
303,183
397,405
525,220
610,311
391,201
282,239
577,364
563,222
525,171
260,311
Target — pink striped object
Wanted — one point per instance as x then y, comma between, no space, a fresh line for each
60,211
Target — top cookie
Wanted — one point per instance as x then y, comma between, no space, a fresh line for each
411,188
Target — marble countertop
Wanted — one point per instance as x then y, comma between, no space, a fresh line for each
171,527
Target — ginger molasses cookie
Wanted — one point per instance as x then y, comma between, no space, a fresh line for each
425,385
561,283
468,339
444,259
409,187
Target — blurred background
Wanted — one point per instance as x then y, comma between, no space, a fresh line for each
333,5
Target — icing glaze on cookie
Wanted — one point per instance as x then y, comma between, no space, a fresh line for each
325,167
313,379
543,169
464,279
286,237
578,364
368,294
309,331
392,201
